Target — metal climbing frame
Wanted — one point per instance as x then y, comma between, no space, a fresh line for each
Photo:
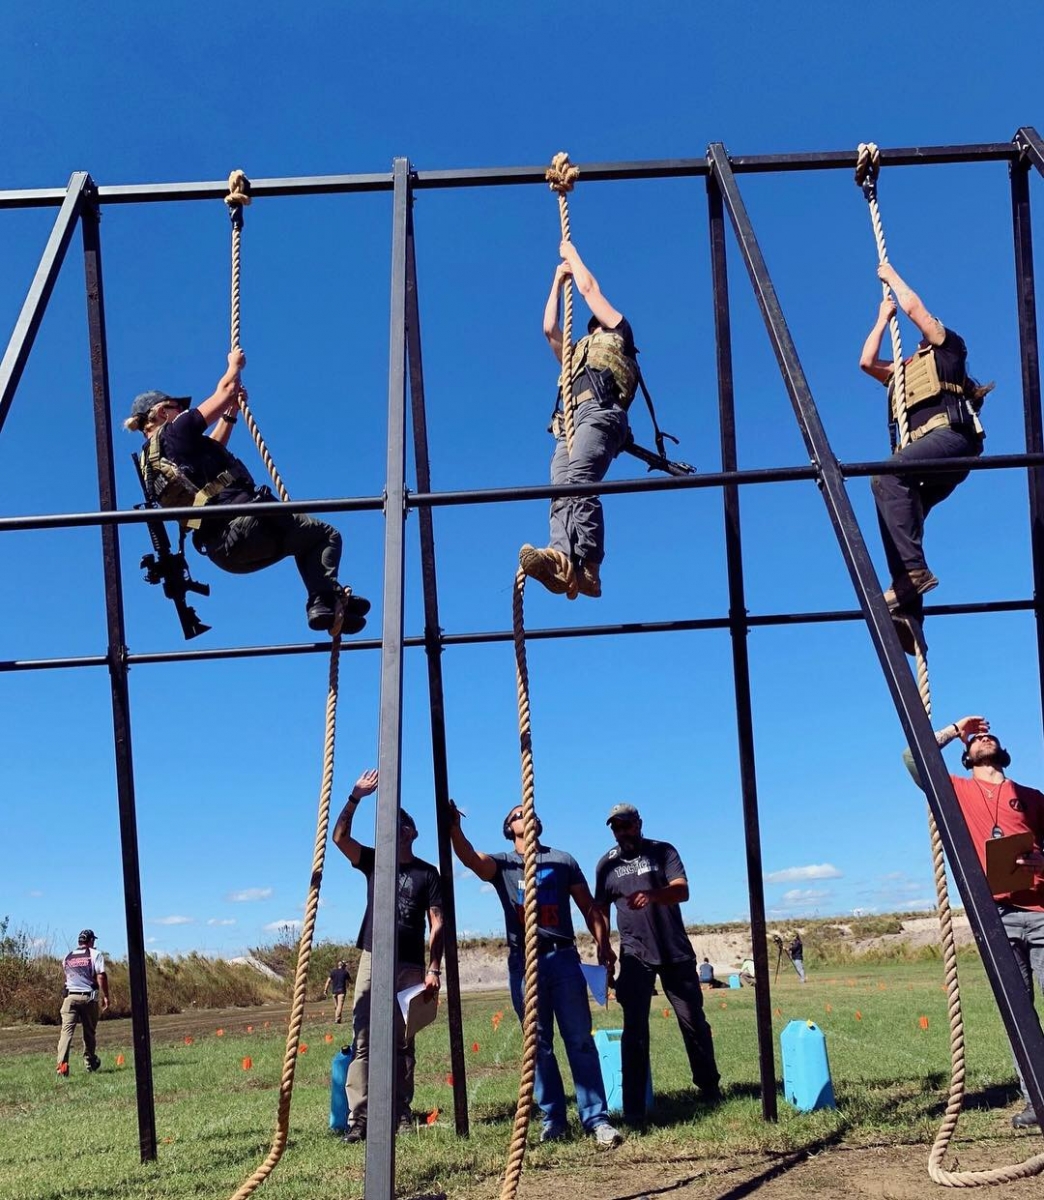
81,202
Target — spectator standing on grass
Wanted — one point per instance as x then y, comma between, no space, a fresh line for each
418,895
85,979
994,806
337,983
646,882
561,988
796,951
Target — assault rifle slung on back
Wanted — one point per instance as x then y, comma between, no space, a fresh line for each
170,568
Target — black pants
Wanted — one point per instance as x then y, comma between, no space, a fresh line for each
681,985
247,544
903,501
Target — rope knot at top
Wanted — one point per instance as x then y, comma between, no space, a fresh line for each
238,196
868,164
562,174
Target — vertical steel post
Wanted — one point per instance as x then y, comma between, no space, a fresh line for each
738,630
384,1050
1013,1001
1025,294
24,333
117,652
436,696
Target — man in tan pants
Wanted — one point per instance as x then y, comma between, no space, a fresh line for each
85,978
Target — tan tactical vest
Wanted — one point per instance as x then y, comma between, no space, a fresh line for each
172,488
601,351
922,382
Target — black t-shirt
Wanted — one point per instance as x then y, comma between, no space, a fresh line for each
184,441
797,950
338,980
420,888
655,934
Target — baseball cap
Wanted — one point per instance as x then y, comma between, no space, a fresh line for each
147,401
86,935
623,810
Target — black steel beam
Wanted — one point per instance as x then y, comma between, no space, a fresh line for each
436,692
1030,147
117,662
1015,1005
740,663
380,1123
1025,294
382,181
26,327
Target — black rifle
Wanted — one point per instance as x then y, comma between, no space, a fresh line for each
656,462
170,568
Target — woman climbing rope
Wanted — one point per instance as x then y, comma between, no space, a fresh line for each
942,408
182,464
603,380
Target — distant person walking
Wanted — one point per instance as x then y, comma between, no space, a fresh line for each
85,979
337,983
796,951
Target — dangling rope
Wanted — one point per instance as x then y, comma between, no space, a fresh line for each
561,175
517,1146
239,195
237,199
868,165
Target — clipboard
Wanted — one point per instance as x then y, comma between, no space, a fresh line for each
1002,874
417,1009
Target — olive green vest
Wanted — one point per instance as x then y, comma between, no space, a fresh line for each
603,351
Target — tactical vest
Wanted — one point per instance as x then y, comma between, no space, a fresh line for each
603,351
921,375
80,975
170,487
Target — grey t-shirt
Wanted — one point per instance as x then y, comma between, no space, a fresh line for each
557,873
655,934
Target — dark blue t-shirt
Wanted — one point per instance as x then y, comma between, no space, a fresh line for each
557,874
338,980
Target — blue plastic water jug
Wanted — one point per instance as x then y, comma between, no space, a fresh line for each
806,1070
339,1089
607,1043
734,981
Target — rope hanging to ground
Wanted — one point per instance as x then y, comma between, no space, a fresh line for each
519,1132
868,165
239,195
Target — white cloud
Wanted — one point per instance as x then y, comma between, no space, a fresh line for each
35,893
801,874
279,926
221,921
248,894
151,941
800,896
175,920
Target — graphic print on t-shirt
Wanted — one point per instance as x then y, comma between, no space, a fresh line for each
547,899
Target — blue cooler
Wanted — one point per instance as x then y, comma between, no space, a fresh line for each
734,981
806,1071
338,1089
607,1043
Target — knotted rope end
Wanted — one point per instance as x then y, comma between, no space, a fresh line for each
562,174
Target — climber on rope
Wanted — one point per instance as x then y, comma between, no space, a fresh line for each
993,807
603,384
942,405
183,465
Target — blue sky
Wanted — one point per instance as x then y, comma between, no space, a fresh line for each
228,754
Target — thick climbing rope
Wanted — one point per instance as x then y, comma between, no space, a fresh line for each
517,1145
561,176
868,165
238,196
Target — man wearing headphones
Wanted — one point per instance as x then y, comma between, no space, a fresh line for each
560,982
994,806
85,980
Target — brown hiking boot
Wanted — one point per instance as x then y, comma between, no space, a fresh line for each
588,581
909,587
549,567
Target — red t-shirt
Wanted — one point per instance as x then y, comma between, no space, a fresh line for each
1013,808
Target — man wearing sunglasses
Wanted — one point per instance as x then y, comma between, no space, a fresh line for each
994,806
419,894
646,882
561,988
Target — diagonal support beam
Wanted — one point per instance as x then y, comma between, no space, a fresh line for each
1013,1001
28,323
1031,145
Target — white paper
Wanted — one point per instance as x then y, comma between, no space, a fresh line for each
405,996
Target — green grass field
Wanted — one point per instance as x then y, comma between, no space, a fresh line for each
78,1138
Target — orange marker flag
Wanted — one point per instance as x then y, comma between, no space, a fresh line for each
859,1015
496,1019
220,1032
303,1048
120,1060
250,1029
432,1117
830,1008
474,1047
924,1022
328,1037
723,1004
449,1080
188,1041
666,1013
267,1023
247,1063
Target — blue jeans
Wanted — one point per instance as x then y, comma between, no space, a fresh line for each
577,522
563,997
1025,932
903,501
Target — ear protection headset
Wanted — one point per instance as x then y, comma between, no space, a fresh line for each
507,826
1003,757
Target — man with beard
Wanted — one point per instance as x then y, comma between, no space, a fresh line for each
646,881
994,806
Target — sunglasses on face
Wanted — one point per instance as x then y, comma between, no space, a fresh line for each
622,823
515,817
